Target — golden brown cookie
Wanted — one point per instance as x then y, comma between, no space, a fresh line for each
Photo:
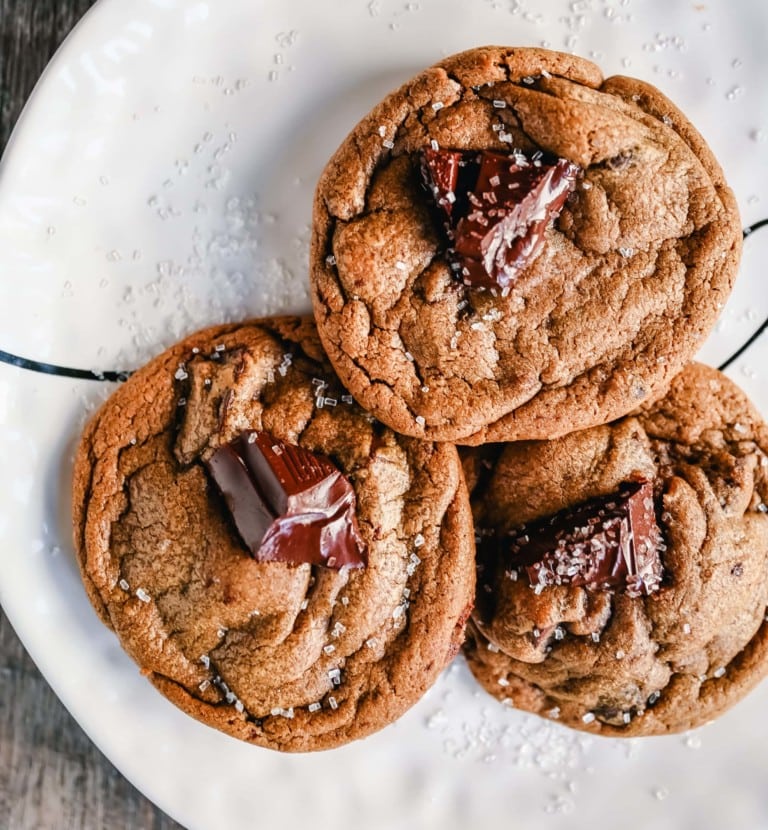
627,658
288,656
627,281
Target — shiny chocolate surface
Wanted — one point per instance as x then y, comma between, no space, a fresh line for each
497,208
288,504
606,543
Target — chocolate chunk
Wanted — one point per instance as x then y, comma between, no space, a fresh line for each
288,504
605,543
440,171
252,516
498,207
450,175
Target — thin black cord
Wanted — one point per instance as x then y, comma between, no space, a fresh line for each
118,377
761,224
737,354
61,371
763,326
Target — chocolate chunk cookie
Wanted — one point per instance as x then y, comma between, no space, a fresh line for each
511,247
623,574
280,565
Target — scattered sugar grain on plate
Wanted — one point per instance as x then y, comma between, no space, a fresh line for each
559,804
438,720
498,736
691,740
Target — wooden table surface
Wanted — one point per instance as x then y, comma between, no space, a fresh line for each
51,776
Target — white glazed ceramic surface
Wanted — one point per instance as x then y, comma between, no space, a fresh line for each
161,179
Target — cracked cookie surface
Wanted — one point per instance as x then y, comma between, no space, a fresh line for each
608,662
289,657
630,280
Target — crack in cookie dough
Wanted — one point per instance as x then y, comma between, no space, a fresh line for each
631,279
609,662
290,657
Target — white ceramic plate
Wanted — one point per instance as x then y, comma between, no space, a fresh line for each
160,179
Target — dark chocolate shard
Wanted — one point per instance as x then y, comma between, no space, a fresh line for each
606,543
450,175
288,504
291,478
252,516
498,207
440,171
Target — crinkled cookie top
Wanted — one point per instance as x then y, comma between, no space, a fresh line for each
631,277
604,660
288,656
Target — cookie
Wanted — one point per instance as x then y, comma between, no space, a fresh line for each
623,574
333,621
511,247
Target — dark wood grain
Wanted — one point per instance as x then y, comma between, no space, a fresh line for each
51,776
30,32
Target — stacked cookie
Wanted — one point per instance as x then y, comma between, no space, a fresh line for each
274,518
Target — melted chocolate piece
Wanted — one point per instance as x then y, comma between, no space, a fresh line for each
450,175
252,516
440,171
605,543
288,504
497,207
